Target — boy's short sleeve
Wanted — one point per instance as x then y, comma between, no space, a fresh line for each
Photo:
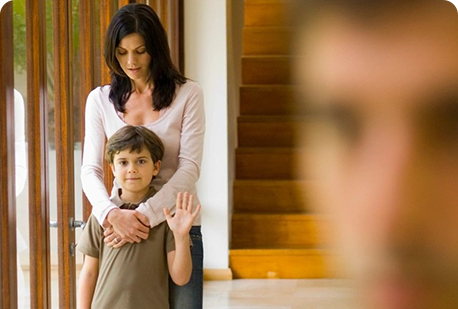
91,239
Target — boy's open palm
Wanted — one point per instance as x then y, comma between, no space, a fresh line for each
181,222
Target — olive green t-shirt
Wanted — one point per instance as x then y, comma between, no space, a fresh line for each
134,276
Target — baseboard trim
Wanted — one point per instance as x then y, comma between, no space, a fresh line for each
210,274
217,274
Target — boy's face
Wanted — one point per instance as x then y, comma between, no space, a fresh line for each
385,143
134,171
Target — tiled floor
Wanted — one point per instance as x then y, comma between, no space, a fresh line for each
257,294
277,294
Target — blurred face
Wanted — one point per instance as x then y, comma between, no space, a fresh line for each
133,58
384,143
134,172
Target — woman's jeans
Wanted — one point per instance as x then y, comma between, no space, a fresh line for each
190,296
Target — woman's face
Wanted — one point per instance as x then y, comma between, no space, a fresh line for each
133,58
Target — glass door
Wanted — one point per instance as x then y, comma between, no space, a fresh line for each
44,81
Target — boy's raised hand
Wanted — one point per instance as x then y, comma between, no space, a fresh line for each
181,222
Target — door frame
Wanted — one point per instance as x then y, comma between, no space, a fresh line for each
8,278
171,13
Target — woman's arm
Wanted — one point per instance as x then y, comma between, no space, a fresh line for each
93,156
130,226
189,160
179,260
87,281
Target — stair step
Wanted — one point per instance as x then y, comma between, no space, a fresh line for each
266,13
269,131
266,70
273,235
259,230
305,263
266,40
267,100
269,163
272,196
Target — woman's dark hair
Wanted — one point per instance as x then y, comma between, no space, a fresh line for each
141,19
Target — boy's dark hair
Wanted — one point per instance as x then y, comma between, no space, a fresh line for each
141,18
134,138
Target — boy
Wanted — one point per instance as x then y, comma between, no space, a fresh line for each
136,276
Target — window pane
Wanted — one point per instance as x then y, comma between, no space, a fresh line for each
52,155
20,114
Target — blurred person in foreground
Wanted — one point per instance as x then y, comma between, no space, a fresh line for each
379,80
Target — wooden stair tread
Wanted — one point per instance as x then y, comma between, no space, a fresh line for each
266,40
276,229
284,263
266,150
304,250
269,87
279,215
270,131
266,13
275,247
273,99
270,118
268,57
273,196
275,216
271,182
282,2
268,29
263,162
266,69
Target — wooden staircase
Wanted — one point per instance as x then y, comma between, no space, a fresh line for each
274,234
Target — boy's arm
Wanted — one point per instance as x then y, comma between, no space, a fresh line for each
87,281
179,261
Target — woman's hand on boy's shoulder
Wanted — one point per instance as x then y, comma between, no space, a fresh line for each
181,222
112,239
127,226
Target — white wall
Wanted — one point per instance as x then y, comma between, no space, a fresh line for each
206,62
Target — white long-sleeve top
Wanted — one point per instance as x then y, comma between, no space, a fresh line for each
181,128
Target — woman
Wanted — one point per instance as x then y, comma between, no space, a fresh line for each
146,89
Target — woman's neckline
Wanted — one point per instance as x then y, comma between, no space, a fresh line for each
162,113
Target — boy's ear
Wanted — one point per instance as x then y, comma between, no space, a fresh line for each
112,168
157,167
